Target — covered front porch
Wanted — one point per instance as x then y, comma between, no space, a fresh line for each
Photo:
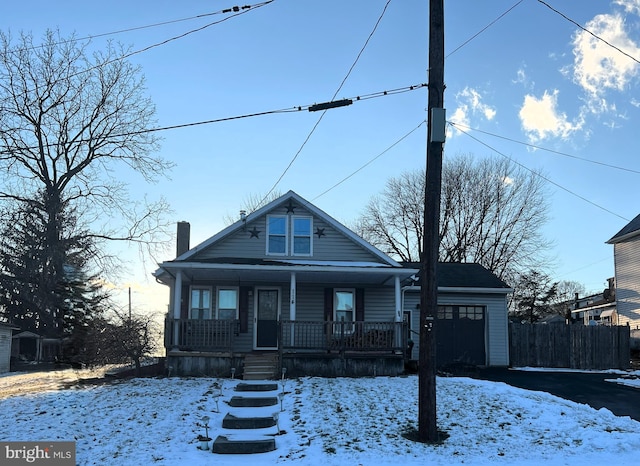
317,319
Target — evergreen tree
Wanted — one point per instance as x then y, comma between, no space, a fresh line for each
45,284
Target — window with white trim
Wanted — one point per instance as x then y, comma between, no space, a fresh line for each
227,303
200,303
344,309
289,235
277,234
301,236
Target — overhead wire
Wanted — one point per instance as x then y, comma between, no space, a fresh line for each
241,11
317,123
589,32
552,151
483,29
147,26
423,122
299,108
540,175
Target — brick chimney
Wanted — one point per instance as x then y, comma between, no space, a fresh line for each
182,238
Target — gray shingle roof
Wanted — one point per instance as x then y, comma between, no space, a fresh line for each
630,229
459,275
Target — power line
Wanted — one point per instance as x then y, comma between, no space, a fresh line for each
148,26
360,98
371,161
533,146
180,36
304,143
483,29
238,12
589,32
548,180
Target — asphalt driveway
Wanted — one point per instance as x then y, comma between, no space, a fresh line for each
583,388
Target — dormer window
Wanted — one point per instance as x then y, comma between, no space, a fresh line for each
289,235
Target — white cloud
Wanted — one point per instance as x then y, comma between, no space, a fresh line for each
599,67
541,119
630,6
470,104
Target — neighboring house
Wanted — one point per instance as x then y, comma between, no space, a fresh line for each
29,347
596,309
5,346
626,253
290,281
473,325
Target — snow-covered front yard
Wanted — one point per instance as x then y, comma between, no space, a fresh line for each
325,422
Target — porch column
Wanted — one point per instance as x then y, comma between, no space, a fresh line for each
292,304
398,316
177,302
398,291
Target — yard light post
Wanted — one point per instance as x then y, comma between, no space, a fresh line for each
427,428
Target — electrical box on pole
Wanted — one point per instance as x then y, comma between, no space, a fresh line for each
438,125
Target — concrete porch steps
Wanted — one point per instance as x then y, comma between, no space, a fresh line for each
256,387
229,445
255,432
260,366
233,422
252,402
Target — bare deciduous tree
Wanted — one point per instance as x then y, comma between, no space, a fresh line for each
70,122
492,213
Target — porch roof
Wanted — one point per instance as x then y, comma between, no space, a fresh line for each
274,270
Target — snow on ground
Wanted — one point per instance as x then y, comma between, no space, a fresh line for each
325,422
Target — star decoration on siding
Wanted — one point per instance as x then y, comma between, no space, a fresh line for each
320,232
290,207
254,233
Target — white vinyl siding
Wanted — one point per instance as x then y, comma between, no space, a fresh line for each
5,349
332,245
627,267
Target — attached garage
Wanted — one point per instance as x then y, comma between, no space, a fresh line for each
472,321
461,335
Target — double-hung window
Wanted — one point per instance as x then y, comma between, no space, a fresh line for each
277,233
289,235
344,309
200,303
227,303
301,236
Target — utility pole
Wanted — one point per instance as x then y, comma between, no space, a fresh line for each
427,428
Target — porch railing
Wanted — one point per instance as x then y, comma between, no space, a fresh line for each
201,335
343,336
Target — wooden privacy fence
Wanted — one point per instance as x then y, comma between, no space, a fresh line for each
571,346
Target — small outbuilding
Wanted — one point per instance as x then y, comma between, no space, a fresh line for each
6,331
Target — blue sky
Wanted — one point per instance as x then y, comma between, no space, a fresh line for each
532,76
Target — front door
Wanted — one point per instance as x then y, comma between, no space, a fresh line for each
266,318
